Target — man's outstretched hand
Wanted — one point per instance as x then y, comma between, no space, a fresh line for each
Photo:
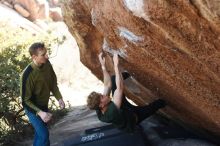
61,103
45,116
102,59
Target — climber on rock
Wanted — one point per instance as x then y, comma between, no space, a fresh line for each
118,110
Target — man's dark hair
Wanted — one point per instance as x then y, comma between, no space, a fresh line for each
93,100
34,47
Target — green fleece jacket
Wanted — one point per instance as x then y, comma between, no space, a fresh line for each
36,85
122,118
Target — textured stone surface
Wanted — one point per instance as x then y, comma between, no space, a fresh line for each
171,49
38,9
35,10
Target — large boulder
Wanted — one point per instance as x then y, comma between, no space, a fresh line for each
170,47
38,9
35,10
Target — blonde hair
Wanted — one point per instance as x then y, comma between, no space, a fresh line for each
93,100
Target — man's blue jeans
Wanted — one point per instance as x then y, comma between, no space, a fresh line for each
41,136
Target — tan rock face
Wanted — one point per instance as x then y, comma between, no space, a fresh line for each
55,14
171,49
38,9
